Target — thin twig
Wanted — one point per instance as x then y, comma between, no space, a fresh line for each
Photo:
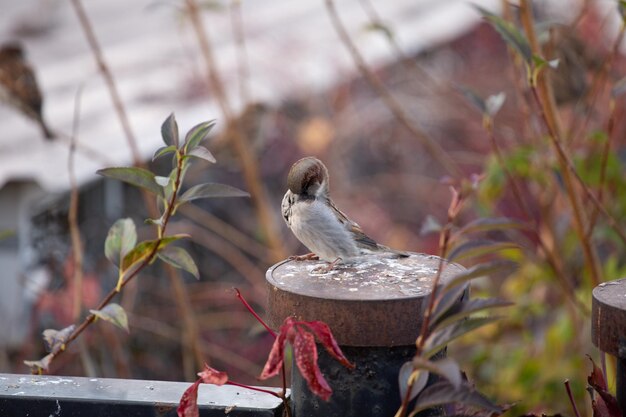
72,216
571,398
249,163
243,72
433,148
545,102
108,78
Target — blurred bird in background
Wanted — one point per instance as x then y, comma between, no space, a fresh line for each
18,86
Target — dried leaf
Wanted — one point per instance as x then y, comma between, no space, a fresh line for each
326,338
121,239
138,177
305,354
41,365
56,339
113,313
213,376
211,190
179,258
188,405
407,371
606,405
197,134
169,131
494,103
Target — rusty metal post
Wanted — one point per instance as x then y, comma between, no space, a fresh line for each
374,308
608,328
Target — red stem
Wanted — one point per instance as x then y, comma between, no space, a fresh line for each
237,384
256,316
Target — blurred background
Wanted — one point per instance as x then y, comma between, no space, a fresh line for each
373,88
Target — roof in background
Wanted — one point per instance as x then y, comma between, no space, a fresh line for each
291,46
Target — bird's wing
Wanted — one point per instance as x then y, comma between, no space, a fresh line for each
362,240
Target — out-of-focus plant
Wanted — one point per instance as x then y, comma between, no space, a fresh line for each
121,246
561,174
450,313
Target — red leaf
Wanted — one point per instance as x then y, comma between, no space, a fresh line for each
326,338
188,406
605,405
305,354
213,376
277,354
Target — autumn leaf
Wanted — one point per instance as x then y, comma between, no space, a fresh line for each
277,354
213,376
188,406
302,336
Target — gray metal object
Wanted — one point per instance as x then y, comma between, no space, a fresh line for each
52,396
374,308
608,328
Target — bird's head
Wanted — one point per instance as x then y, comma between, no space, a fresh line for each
308,177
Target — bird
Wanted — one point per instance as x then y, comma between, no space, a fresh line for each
18,85
314,219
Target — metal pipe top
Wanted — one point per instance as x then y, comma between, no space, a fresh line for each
375,301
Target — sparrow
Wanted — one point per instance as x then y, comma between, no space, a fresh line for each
18,86
315,220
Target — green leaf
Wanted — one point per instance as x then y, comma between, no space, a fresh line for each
473,98
55,340
450,298
442,392
467,308
479,247
487,224
136,176
197,134
510,34
211,190
140,253
113,313
164,151
179,258
407,371
201,152
121,239
440,338
42,364
446,367
169,131
480,270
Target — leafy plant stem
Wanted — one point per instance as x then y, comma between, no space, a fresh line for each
243,151
548,115
237,384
